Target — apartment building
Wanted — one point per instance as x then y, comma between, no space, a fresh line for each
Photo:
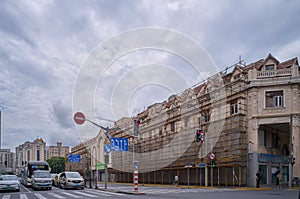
30,151
58,150
7,161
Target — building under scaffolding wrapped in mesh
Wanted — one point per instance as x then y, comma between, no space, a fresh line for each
250,119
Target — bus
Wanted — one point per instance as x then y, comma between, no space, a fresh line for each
30,167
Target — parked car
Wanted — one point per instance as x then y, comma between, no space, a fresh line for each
9,182
69,179
41,179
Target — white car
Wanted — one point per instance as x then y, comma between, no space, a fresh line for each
9,183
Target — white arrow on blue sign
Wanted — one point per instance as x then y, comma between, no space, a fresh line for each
74,158
121,144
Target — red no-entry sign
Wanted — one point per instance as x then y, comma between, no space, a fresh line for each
79,118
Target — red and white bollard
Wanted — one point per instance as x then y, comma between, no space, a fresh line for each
136,177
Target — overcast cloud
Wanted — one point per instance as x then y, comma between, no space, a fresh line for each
44,43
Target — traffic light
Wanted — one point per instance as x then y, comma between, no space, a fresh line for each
136,127
293,161
200,136
213,163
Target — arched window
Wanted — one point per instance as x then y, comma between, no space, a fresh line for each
94,156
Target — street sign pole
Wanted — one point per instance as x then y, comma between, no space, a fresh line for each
106,158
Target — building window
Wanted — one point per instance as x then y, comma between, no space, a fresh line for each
186,122
262,137
28,155
234,108
38,155
274,99
160,132
275,140
269,67
173,126
237,76
206,116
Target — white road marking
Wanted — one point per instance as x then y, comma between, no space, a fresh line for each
39,196
112,193
6,197
85,194
23,196
98,193
55,195
72,195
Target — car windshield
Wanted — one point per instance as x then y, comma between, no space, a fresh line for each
42,175
73,175
8,178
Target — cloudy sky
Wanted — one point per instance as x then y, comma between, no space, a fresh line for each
45,43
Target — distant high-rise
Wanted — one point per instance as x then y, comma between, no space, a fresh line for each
0,130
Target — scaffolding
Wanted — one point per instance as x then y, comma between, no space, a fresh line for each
166,143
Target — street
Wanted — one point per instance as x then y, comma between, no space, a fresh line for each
151,192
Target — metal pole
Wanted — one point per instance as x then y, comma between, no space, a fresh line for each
211,167
291,153
188,176
90,172
200,176
106,160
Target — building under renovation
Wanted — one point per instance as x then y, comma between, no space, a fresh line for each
248,119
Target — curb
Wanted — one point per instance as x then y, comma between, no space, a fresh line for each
125,192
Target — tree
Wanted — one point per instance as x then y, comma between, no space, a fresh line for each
57,164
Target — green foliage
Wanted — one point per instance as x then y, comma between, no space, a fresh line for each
57,164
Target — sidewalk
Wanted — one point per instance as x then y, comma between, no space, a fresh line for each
112,188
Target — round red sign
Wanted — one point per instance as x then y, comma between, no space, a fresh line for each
212,156
79,118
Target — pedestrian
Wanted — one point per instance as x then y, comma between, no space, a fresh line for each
176,181
278,179
257,176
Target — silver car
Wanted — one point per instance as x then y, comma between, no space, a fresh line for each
9,183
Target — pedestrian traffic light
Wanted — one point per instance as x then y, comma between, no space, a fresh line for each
200,136
136,127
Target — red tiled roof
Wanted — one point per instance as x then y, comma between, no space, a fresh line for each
287,64
256,65
198,88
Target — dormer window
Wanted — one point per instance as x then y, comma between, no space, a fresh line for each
237,76
270,67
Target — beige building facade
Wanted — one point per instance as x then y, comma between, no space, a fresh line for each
30,151
250,118
7,161
57,151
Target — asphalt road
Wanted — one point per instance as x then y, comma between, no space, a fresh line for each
152,193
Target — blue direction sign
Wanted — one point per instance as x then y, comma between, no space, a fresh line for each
107,148
201,164
121,144
74,158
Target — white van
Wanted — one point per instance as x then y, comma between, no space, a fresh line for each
70,179
41,180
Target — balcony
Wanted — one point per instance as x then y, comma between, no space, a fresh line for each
274,73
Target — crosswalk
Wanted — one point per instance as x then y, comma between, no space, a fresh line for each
60,194
92,193
149,190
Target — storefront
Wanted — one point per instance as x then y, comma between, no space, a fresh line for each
269,164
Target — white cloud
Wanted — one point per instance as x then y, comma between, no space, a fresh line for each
44,43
